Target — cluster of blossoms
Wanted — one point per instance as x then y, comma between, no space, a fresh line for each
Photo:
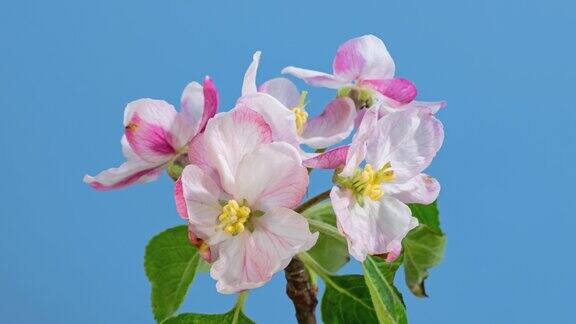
241,174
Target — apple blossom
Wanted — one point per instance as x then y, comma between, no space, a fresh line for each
362,68
238,194
370,201
280,102
156,135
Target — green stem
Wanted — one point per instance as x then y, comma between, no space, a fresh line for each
239,305
313,201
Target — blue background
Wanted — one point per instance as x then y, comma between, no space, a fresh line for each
70,254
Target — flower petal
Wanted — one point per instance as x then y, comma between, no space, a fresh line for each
357,151
331,159
281,119
377,227
272,175
179,199
429,106
250,259
148,126
315,78
422,189
408,140
229,137
363,58
210,102
249,84
283,90
131,171
399,90
332,126
201,197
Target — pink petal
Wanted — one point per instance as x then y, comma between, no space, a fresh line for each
179,199
429,106
192,105
362,58
399,90
148,129
131,171
201,197
272,175
332,126
210,102
422,189
357,151
279,117
331,159
408,140
229,137
199,154
283,90
315,78
249,85
249,260
377,227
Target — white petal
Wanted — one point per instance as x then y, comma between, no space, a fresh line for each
408,140
249,85
332,126
422,189
229,137
271,176
283,90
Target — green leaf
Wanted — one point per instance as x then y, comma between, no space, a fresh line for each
170,262
427,214
331,249
423,248
379,277
235,316
347,300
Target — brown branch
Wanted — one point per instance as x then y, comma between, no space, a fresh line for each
301,291
313,201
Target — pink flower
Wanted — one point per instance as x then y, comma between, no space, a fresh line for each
155,135
379,173
283,107
238,194
363,64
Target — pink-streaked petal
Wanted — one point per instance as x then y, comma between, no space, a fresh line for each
331,159
318,79
283,90
148,126
429,106
357,151
332,126
282,233
240,265
377,227
249,84
229,137
362,58
422,189
400,91
249,260
210,102
201,196
272,175
192,104
281,119
199,155
408,140
130,172
179,199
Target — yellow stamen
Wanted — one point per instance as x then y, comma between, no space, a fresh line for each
132,126
300,113
367,182
233,217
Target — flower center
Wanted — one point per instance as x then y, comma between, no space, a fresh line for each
300,113
361,96
233,217
366,182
